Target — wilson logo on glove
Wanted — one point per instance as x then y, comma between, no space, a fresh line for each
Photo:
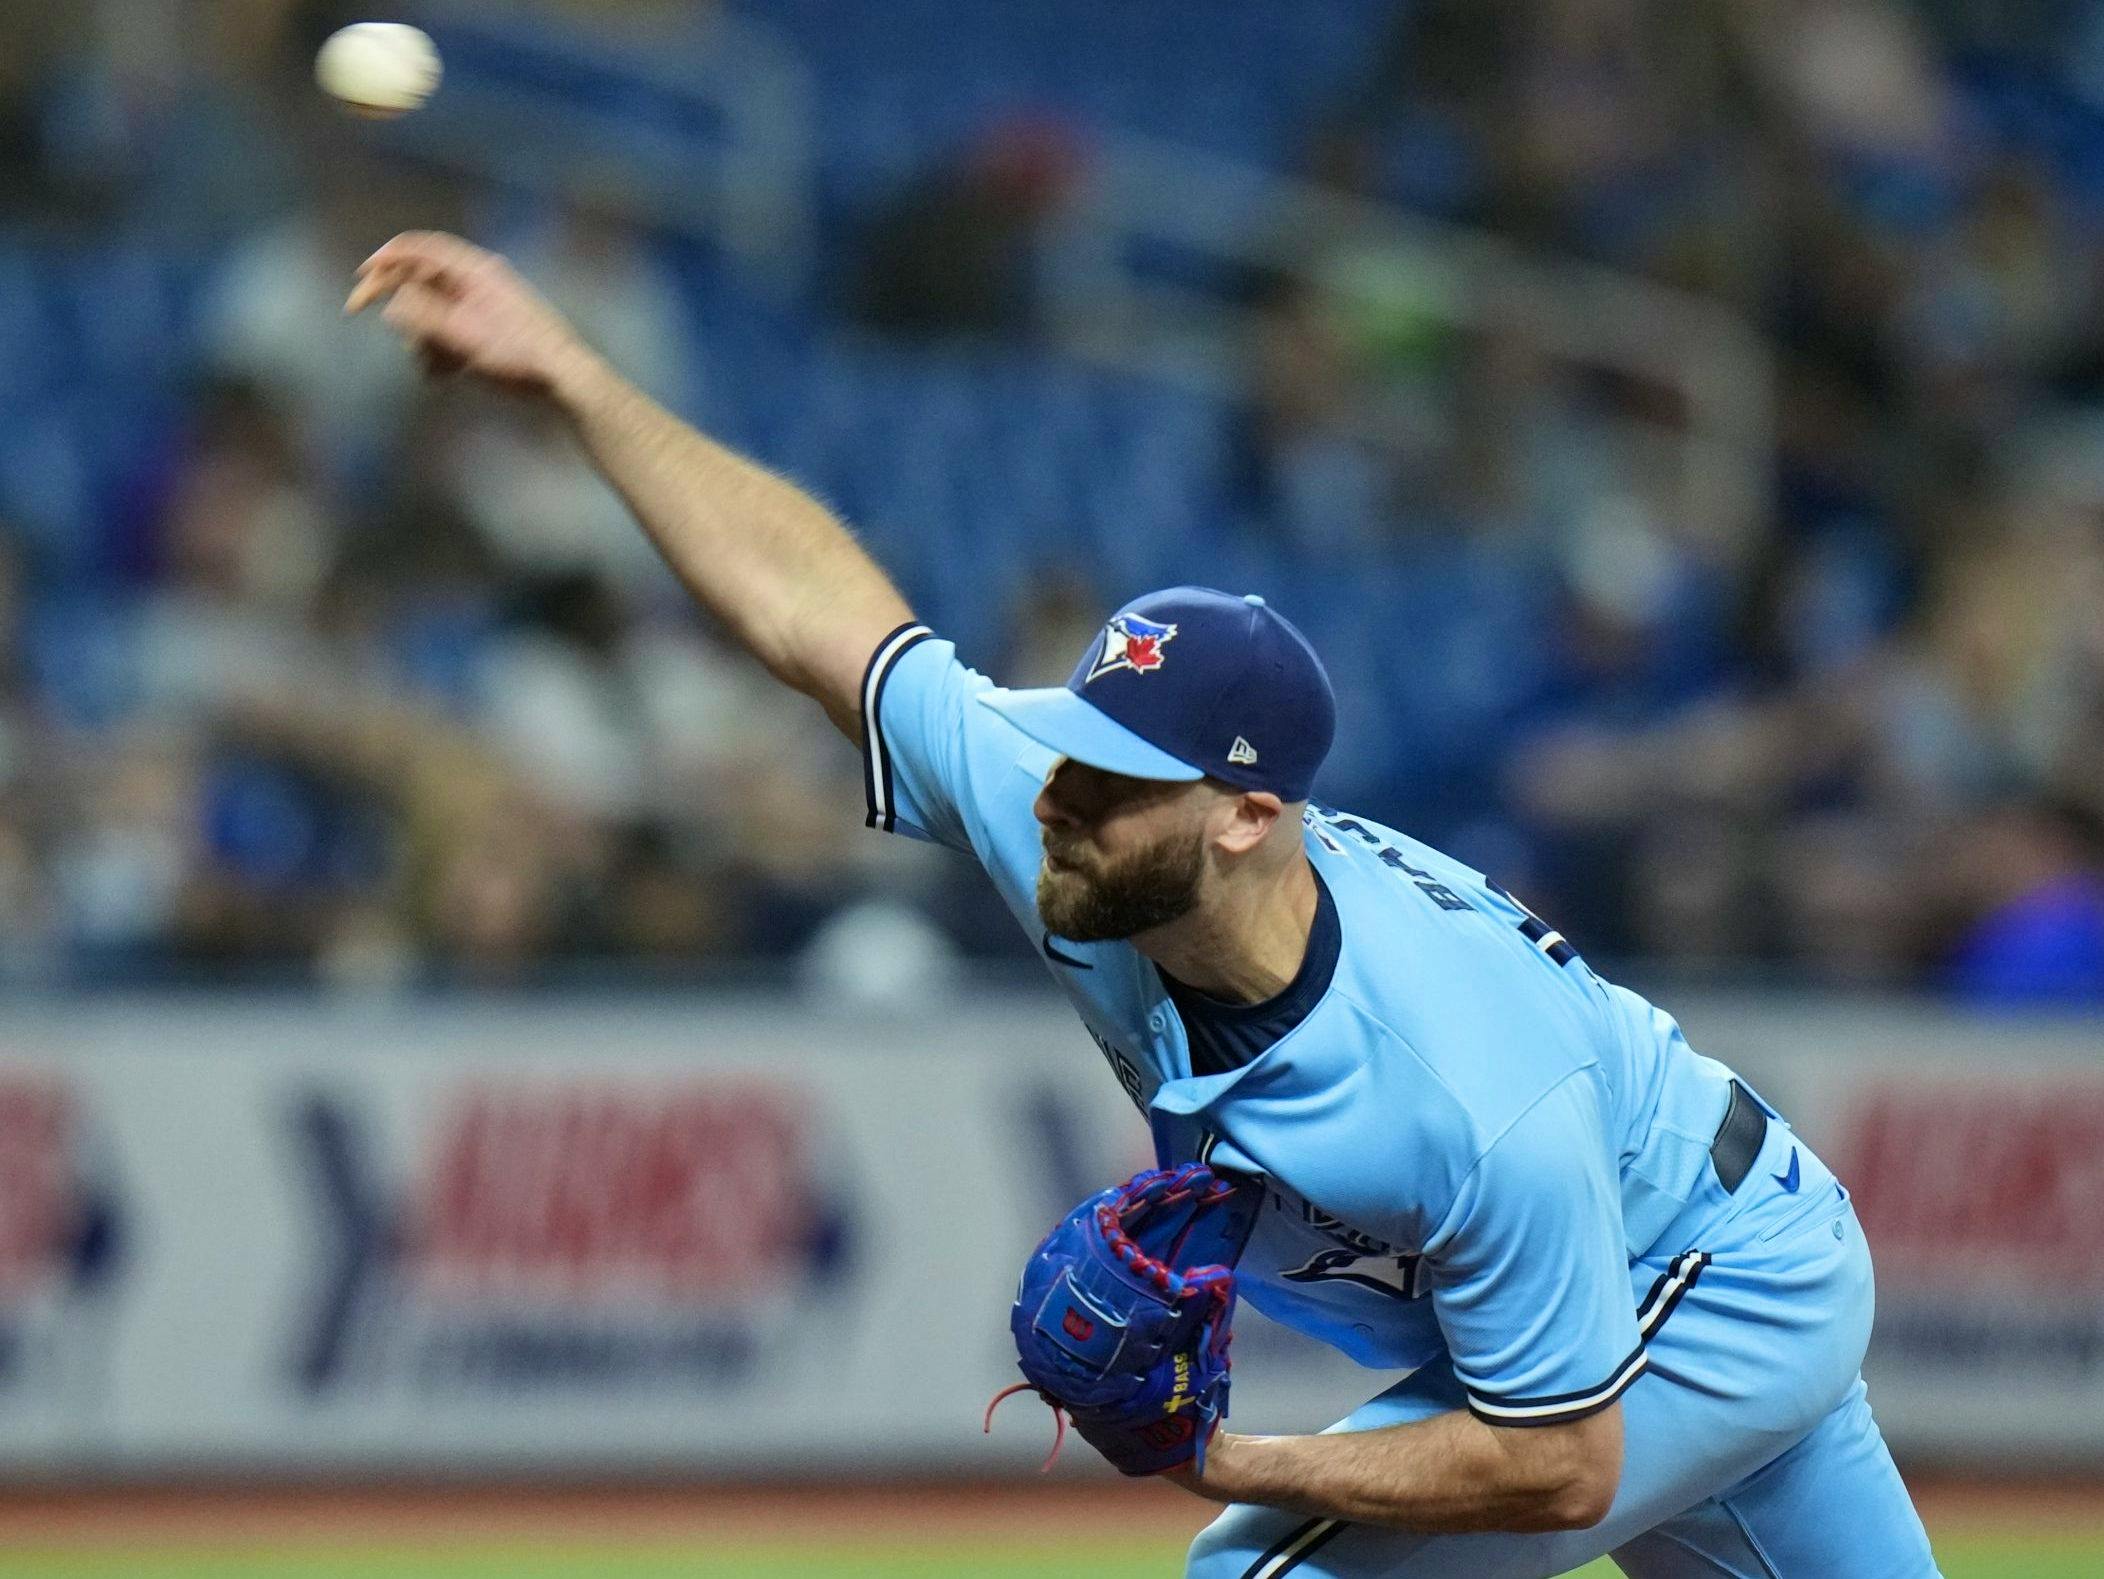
1168,1434
1153,1260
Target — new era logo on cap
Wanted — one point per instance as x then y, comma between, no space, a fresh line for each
1238,673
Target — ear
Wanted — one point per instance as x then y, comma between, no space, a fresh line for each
1243,820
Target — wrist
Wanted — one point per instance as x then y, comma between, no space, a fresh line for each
577,378
1218,1482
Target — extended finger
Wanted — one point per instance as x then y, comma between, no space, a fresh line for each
415,254
417,311
429,252
373,283
382,275
436,245
380,278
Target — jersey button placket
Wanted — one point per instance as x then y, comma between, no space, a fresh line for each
1164,1049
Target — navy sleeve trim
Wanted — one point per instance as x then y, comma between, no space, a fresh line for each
1561,1408
1293,1548
876,755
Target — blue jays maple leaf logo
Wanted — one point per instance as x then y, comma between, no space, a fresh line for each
1130,642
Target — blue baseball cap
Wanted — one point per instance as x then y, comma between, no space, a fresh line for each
1189,683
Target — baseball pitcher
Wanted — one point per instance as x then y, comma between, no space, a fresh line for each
1393,1108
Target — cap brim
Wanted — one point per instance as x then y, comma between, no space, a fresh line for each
1056,717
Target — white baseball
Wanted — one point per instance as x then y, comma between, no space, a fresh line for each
378,68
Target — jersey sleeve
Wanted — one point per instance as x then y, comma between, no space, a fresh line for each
938,766
1530,1275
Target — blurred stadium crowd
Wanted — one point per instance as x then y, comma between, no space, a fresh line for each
312,671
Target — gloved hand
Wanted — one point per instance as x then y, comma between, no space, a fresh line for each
1123,1316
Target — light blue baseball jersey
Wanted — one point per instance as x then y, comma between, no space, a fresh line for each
1471,1141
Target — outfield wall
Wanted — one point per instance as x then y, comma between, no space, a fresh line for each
734,1236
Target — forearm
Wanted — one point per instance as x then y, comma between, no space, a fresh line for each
1449,1474
764,557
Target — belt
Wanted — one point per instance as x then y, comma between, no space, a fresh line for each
1739,1138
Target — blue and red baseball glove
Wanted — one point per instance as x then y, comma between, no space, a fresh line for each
1122,1319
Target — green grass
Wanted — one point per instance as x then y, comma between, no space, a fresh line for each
684,1561
1963,1557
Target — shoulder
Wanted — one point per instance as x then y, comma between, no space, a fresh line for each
938,766
926,740
1463,1010
1439,957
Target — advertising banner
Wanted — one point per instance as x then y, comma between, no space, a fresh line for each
740,1236
1974,1148
750,1240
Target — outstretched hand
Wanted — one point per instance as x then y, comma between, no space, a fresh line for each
463,308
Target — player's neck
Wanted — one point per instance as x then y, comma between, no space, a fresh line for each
1247,943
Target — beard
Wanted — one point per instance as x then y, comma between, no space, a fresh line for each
1114,900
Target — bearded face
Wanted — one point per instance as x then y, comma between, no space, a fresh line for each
1089,898
1124,862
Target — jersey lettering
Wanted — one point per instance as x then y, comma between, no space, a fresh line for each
1124,1068
1428,885
1395,1276
1335,1229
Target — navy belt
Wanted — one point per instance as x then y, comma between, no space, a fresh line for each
1739,1138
